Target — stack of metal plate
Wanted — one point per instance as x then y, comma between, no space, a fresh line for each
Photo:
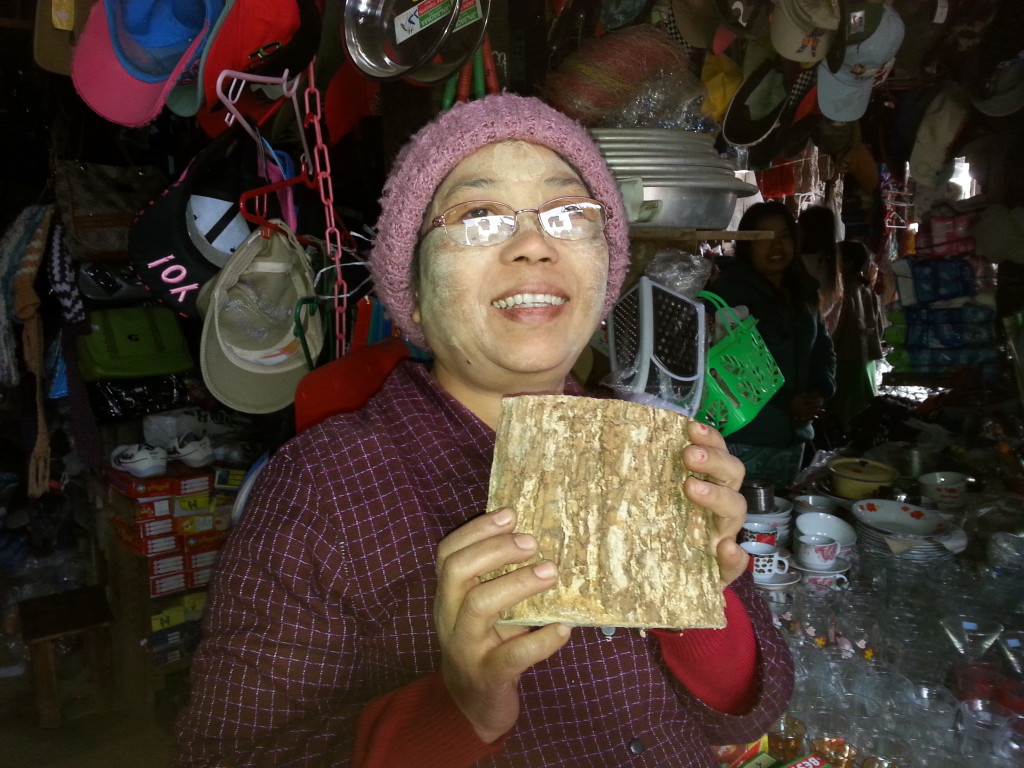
685,183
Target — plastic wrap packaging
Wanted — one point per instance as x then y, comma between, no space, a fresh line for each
673,99
680,271
129,398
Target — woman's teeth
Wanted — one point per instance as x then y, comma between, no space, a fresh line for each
529,300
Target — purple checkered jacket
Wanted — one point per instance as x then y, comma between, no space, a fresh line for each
323,599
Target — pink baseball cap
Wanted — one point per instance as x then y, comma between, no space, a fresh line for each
132,52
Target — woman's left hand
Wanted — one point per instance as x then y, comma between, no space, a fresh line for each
719,494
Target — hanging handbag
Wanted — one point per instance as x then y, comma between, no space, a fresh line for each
97,203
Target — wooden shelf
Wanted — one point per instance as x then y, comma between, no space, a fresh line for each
669,233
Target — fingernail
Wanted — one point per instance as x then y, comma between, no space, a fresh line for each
502,517
703,488
524,541
702,428
700,454
545,570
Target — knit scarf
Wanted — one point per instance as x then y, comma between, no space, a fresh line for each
63,284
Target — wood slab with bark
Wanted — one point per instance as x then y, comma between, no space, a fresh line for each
599,483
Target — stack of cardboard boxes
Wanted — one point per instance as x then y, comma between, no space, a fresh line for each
176,523
162,538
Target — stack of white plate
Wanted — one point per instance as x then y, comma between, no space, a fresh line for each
780,519
906,533
685,182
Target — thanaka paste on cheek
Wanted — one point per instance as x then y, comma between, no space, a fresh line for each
596,285
439,290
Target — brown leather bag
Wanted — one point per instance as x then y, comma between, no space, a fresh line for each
97,204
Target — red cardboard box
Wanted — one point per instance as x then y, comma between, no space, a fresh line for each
131,509
204,540
168,584
151,528
209,521
199,578
129,538
735,755
195,561
161,565
179,481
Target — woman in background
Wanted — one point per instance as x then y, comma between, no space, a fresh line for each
771,282
820,255
858,337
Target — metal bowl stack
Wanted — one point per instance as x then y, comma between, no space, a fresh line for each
685,183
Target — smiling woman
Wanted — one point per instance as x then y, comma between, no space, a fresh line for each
770,280
478,304
349,622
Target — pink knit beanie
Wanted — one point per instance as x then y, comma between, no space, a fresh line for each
438,147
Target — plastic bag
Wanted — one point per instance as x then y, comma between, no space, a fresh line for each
672,99
683,272
126,398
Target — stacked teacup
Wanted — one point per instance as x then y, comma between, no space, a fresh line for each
767,509
817,557
766,535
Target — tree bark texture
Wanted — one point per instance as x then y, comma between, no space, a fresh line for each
599,483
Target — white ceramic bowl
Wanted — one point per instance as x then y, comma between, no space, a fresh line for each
824,524
814,502
769,517
783,506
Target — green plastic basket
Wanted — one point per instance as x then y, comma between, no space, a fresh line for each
741,376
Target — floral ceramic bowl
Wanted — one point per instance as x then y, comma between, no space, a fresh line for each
904,520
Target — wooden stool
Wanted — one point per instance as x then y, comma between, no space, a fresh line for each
49,618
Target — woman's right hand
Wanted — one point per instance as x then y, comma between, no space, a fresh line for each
481,661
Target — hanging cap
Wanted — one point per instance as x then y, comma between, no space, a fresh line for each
941,124
844,95
994,74
744,18
57,27
132,52
182,238
925,22
251,358
803,30
697,21
757,106
722,77
186,96
258,37
347,94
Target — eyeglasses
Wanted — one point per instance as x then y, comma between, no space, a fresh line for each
485,222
